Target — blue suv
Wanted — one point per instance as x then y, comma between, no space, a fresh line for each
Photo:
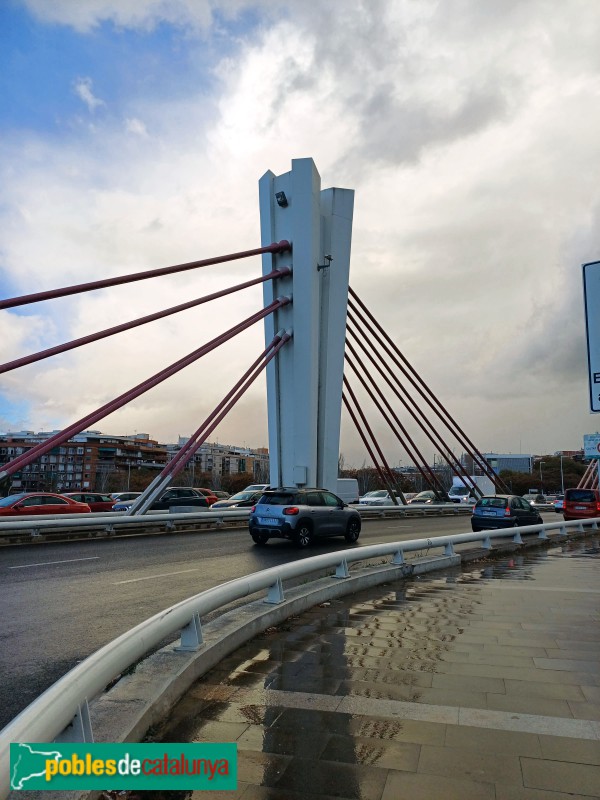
302,515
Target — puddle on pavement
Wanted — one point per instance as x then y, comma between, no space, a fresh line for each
383,643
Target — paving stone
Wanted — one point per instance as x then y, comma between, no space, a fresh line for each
469,764
401,785
561,776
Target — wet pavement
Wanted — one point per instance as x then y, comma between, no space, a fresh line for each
481,682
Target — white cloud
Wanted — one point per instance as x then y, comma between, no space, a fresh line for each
83,89
136,126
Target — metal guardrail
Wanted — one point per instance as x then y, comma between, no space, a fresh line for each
65,703
113,523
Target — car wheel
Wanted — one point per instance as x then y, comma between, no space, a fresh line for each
352,531
302,535
260,538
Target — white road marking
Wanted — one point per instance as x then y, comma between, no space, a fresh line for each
47,563
151,577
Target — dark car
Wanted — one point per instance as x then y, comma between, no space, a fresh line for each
302,515
243,499
97,502
171,498
581,504
503,511
40,503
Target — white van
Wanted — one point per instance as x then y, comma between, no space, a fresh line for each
347,490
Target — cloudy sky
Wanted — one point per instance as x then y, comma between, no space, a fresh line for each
133,134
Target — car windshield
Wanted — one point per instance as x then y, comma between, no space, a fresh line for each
243,496
580,496
278,499
495,502
8,501
377,493
459,490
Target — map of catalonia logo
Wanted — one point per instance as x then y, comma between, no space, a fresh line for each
104,766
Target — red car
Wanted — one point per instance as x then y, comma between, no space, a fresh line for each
581,504
95,500
40,503
211,497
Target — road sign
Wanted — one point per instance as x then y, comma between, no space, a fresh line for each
591,445
591,299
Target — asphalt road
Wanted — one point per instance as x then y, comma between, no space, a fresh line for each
59,602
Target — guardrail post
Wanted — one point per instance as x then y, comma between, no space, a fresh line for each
342,570
398,557
191,636
563,530
449,549
275,593
80,727
542,534
517,538
487,543
35,533
594,525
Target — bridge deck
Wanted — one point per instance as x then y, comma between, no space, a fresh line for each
481,684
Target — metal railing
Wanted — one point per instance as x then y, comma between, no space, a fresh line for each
65,702
114,523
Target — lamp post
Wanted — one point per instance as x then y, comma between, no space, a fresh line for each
542,477
562,479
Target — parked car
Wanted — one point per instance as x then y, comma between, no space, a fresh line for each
302,515
171,498
559,504
40,503
122,496
221,495
243,499
211,496
378,497
503,511
255,487
537,499
97,502
581,504
427,496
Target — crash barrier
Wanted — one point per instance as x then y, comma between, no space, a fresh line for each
61,713
113,523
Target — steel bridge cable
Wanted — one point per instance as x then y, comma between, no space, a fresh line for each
113,405
365,441
276,247
142,504
441,444
390,482
434,436
125,326
416,456
448,421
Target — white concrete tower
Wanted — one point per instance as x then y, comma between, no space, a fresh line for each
304,381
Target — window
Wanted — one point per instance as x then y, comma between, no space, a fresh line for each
314,499
330,499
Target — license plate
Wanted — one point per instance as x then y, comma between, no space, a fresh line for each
268,521
489,513
580,508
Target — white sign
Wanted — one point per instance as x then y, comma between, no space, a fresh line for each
591,299
591,445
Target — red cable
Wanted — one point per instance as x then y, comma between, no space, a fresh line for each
93,337
77,427
224,407
11,302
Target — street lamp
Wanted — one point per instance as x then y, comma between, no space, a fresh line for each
542,477
562,479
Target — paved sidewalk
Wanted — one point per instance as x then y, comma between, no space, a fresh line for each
469,685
